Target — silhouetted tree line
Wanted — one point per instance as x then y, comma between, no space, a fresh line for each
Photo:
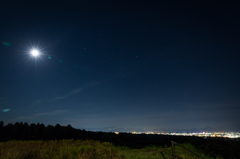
23,131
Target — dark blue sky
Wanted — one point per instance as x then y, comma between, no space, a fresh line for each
153,65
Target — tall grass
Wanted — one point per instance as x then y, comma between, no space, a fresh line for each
59,149
88,149
186,154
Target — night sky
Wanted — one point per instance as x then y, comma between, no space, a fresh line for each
121,65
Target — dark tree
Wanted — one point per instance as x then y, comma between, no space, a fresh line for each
26,125
57,126
69,126
1,124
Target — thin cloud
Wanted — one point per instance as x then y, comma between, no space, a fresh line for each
25,117
56,112
76,91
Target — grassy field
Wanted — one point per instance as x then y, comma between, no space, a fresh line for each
88,149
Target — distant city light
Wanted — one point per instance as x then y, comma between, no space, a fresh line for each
201,134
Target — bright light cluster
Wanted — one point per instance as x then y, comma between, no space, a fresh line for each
200,134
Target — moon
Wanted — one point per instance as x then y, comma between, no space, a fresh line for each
35,53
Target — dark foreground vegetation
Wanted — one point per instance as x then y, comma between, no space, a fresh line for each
86,149
36,139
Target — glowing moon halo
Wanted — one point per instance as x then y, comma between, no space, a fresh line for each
35,53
